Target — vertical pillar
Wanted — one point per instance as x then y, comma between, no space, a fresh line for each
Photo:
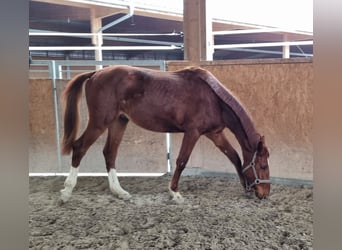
68,73
197,26
286,48
97,40
206,29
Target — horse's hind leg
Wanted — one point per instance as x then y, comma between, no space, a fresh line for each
115,134
189,140
80,147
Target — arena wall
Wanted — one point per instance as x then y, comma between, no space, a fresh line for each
277,93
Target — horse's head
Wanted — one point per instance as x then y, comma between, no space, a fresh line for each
257,173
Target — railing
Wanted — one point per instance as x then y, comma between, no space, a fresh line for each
169,45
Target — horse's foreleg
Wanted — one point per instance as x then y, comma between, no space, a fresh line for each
223,144
80,147
189,140
115,134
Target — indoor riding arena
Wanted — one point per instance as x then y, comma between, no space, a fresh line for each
272,77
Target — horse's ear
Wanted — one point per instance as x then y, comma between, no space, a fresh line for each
262,138
261,144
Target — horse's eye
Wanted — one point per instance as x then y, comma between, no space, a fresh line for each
263,167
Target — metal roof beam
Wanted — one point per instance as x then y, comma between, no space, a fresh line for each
255,45
254,31
261,51
64,48
110,36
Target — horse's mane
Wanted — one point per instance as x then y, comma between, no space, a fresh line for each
233,102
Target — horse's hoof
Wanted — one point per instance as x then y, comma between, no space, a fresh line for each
125,196
65,195
177,197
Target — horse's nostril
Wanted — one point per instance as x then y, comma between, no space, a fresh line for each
261,196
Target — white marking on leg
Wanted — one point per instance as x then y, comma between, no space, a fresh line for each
114,185
176,196
69,184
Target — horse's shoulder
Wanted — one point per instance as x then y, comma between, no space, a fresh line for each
192,69
192,72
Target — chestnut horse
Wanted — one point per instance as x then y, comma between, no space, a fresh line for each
191,101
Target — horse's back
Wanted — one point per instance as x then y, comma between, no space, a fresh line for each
155,100
174,102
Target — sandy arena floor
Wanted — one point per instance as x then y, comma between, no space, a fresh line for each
215,215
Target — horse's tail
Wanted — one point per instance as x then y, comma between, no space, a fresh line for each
71,97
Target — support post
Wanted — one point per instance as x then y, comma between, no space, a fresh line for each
197,26
286,48
52,69
97,40
207,38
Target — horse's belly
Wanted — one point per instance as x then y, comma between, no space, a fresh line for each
171,119
152,117
170,114
154,123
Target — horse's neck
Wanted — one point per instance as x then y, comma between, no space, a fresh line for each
243,128
247,141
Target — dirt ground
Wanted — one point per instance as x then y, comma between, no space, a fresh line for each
215,215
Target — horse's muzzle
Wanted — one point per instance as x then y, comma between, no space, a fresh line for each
262,191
